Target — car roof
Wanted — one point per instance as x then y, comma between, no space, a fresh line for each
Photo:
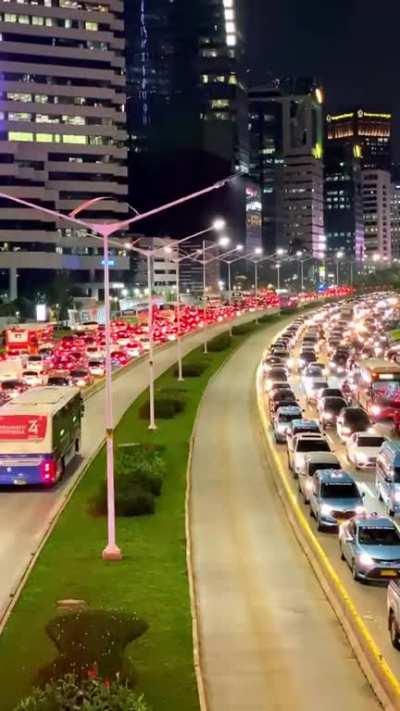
310,435
323,457
288,410
327,475
376,522
305,423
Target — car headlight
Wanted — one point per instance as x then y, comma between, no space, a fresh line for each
346,430
396,496
281,428
359,510
301,361
328,416
362,458
291,362
376,410
326,510
365,560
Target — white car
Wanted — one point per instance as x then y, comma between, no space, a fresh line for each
94,353
32,378
300,446
313,386
313,462
96,368
35,362
363,448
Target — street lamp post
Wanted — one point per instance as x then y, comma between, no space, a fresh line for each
104,230
339,256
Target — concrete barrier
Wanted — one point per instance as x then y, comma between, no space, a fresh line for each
375,667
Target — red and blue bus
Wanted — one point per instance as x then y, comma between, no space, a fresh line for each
40,433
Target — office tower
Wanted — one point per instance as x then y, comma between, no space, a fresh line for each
368,135
377,195
395,211
369,131
63,135
187,109
344,227
286,148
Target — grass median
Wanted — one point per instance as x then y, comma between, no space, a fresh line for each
152,578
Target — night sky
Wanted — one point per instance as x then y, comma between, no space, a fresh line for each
351,46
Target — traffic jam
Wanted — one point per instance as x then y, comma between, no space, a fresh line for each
33,357
331,389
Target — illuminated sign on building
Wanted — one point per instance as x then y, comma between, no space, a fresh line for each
253,216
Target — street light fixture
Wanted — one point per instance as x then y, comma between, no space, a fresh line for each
104,231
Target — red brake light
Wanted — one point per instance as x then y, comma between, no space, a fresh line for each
48,471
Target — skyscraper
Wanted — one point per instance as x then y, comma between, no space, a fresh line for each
62,137
367,136
286,139
344,227
187,108
369,131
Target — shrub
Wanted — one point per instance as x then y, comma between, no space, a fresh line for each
91,694
139,477
244,328
165,407
191,370
269,318
220,343
92,640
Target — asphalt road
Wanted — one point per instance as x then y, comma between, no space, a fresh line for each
370,598
25,515
268,638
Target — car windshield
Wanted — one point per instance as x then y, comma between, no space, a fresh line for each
331,392
57,381
29,372
277,374
313,445
78,373
322,465
340,491
357,418
378,536
317,385
334,404
34,359
95,364
288,418
368,441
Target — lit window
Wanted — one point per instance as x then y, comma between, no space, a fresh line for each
9,17
20,136
229,15
19,116
15,96
204,78
93,26
23,19
230,27
41,98
44,138
68,138
36,20
231,40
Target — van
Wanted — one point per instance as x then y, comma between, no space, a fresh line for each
388,476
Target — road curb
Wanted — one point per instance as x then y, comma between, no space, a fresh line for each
372,662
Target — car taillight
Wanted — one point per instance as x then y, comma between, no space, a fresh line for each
48,471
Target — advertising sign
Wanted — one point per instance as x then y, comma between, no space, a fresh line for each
22,427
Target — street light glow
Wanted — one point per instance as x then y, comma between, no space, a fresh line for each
299,253
224,241
258,251
280,252
219,224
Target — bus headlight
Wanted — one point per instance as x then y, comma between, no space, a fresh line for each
376,410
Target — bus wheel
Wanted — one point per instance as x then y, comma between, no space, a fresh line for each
61,470
77,446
